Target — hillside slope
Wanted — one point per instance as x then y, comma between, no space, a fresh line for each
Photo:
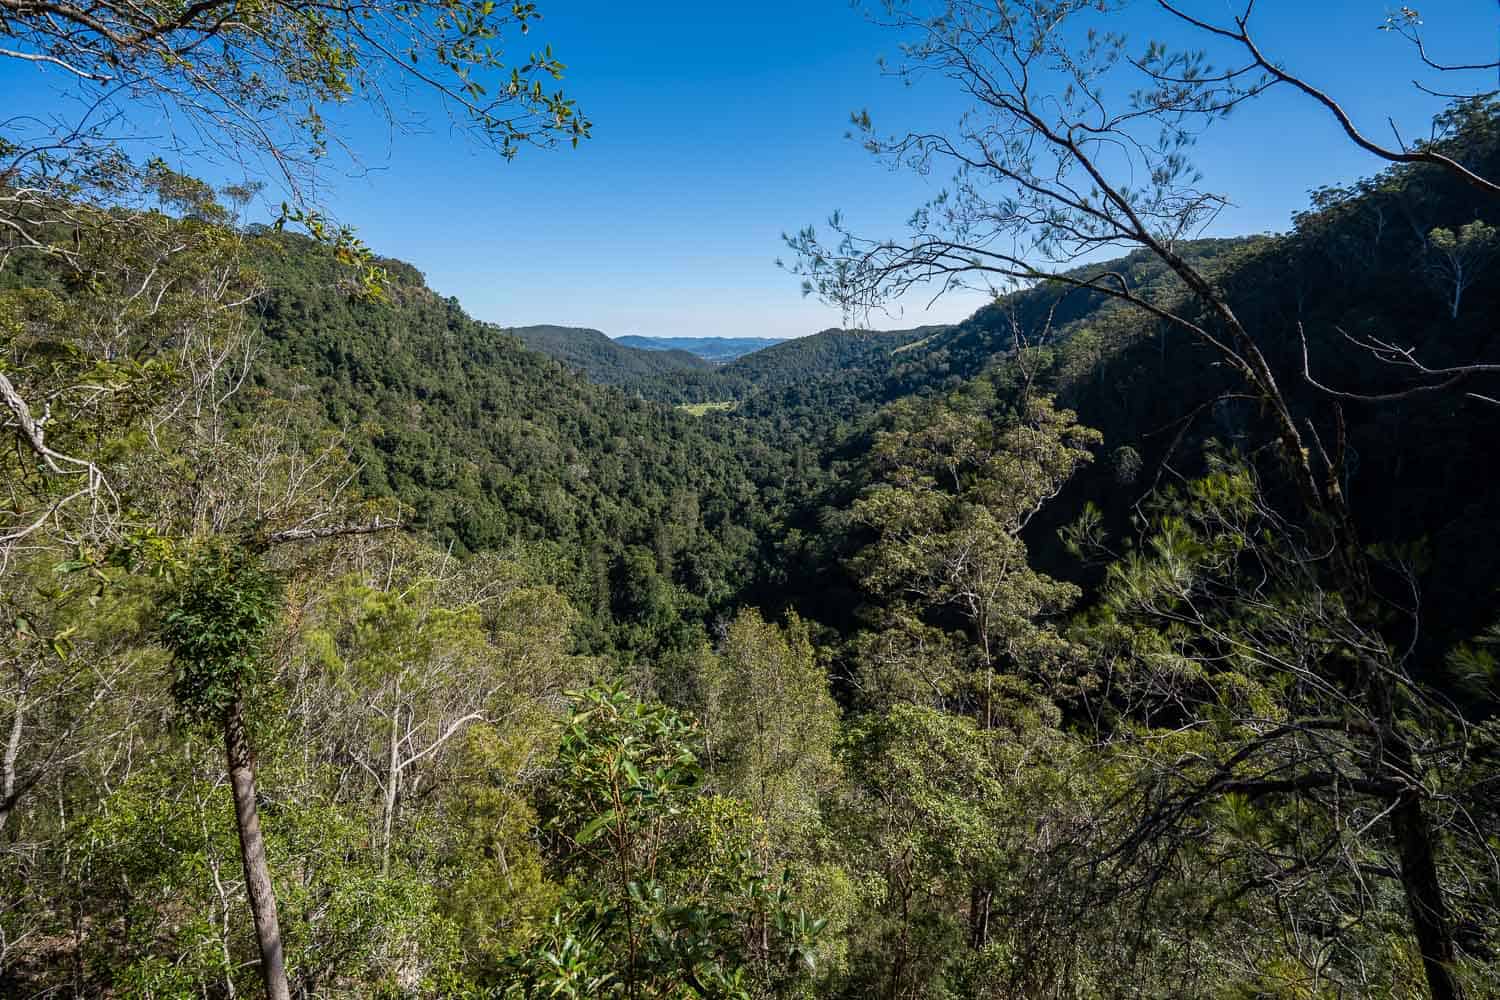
1164,402
600,359
818,390
720,350
491,443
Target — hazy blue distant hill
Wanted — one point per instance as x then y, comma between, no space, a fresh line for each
717,349
601,359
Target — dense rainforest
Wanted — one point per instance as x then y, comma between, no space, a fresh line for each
1138,636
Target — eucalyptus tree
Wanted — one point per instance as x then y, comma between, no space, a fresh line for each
95,485
397,669
124,324
216,628
1455,260
129,468
948,509
770,723
1074,145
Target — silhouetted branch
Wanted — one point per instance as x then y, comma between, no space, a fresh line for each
1404,357
331,531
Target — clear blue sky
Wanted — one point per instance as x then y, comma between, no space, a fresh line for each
719,126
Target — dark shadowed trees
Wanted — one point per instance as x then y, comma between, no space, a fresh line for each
1051,167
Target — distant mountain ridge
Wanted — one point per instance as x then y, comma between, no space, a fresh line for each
601,359
840,376
720,350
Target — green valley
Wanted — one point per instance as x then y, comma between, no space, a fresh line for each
1136,635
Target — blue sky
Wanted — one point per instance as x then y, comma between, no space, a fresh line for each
720,126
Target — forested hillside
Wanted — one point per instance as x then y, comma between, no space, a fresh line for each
805,364
814,388
606,361
819,388
638,511
1345,270
1138,636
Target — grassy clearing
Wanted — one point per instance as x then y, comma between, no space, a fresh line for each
913,345
699,409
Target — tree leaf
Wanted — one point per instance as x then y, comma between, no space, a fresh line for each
593,828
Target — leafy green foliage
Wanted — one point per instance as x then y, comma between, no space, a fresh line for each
771,724
277,70
957,756
215,626
958,485
666,899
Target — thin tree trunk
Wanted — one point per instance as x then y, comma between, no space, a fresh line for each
8,795
241,760
1427,908
989,672
903,940
1424,898
980,897
392,787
